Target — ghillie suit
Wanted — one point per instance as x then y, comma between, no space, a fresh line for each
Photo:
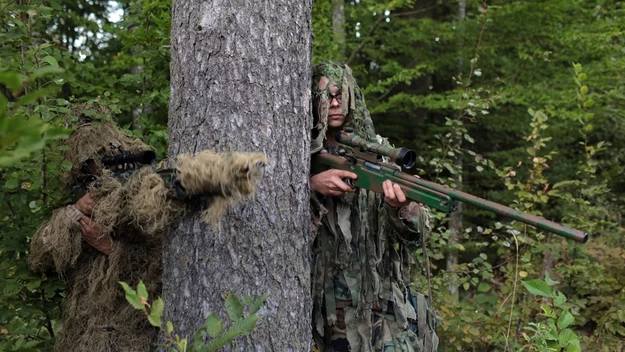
134,209
362,250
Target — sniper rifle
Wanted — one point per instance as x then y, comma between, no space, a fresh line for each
365,159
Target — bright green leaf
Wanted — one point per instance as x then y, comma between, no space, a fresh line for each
142,291
574,346
584,90
538,287
549,280
559,299
156,312
132,297
565,320
566,336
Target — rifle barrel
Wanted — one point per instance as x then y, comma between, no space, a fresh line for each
533,220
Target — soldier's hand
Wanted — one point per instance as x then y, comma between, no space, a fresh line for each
330,182
91,234
393,195
86,203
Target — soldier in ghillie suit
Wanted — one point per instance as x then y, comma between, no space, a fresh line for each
364,241
115,231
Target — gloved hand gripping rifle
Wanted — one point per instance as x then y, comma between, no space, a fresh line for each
125,164
122,165
365,160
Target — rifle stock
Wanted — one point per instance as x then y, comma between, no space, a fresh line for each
365,161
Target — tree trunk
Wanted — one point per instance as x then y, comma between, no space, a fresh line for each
240,80
338,26
455,220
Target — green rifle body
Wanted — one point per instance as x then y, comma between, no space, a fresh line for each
365,160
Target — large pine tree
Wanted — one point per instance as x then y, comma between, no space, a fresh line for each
240,80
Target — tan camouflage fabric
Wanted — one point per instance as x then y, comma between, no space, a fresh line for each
135,213
362,253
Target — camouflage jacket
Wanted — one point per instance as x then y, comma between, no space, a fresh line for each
361,265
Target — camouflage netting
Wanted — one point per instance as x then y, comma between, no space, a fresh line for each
231,176
353,103
96,136
362,251
135,212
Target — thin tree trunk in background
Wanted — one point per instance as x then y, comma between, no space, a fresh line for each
137,110
455,219
547,258
240,80
338,26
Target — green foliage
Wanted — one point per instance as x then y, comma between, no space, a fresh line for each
53,56
517,102
20,135
219,338
553,334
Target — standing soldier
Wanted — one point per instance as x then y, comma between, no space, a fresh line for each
364,241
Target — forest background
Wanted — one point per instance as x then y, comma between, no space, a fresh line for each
519,102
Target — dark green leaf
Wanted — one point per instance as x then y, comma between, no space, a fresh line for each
44,71
483,287
233,307
259,302
246,326
51,60
538,287
213,325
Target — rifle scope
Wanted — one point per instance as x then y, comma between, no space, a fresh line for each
146,157
404,157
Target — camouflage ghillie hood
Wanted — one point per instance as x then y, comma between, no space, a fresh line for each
95,138
353,103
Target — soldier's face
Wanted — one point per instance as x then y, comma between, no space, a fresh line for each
335,112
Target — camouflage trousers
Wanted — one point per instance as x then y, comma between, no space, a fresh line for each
388,336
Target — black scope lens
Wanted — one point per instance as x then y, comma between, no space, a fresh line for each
407,158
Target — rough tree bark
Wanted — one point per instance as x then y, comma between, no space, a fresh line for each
240,80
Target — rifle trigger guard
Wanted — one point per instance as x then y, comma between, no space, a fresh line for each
349,182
